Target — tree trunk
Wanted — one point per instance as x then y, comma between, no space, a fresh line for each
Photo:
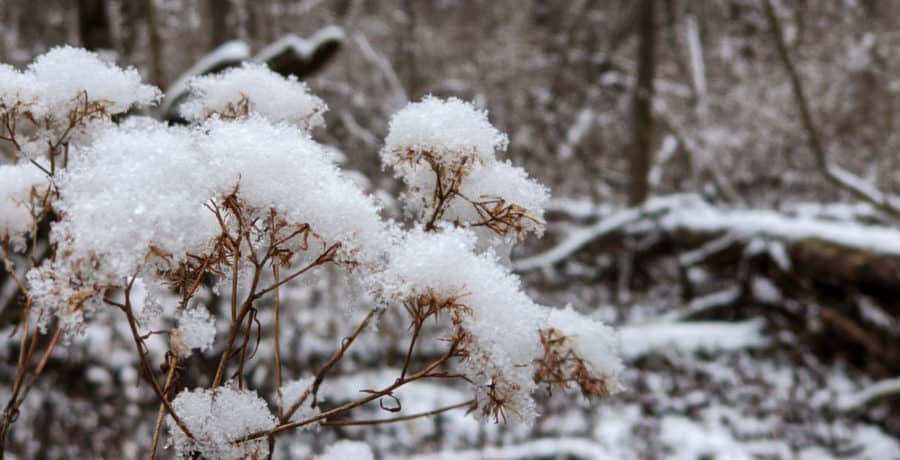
219,11
642,121
93,25
156,62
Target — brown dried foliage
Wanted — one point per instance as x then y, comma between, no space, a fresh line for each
83,109
233,110
496,214
561,366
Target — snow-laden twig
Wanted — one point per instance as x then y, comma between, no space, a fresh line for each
698,305
303,48
640,340
358,131
698,69
706,251
580,238
747,224
576,132
881,390
577,208
667,149
373,56
865,189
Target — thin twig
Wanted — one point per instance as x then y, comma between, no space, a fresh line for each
320,375
371,396
173,364
145,365
470,404
327,256
277,306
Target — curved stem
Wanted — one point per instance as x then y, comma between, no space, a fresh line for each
470,404
173,364
277,301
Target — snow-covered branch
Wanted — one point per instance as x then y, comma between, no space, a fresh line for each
580,238
689,213
878,391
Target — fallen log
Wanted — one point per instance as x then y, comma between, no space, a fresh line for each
818,271
846,253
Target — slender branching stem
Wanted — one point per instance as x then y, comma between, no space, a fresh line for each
170,379
470,404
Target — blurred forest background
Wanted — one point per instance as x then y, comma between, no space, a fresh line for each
724,175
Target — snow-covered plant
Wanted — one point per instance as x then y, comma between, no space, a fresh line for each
445,152
145,218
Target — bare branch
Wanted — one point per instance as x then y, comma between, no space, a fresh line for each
841,178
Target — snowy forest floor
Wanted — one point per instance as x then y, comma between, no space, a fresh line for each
693,390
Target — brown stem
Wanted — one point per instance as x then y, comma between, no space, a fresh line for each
236,255
236,328
145,365
244,345
417,329
43,363
277,301
173,364
373,395
320,375
327,256
10,413
470,404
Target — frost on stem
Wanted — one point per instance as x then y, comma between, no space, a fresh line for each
451,130
278,166
507,345
24,190
55,101
445,153
64,73
296,394
579,351
253,89
497,329
196,331
151,200
16,88
218,419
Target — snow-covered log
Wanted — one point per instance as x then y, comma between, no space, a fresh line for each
226,55
837,251
293,55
